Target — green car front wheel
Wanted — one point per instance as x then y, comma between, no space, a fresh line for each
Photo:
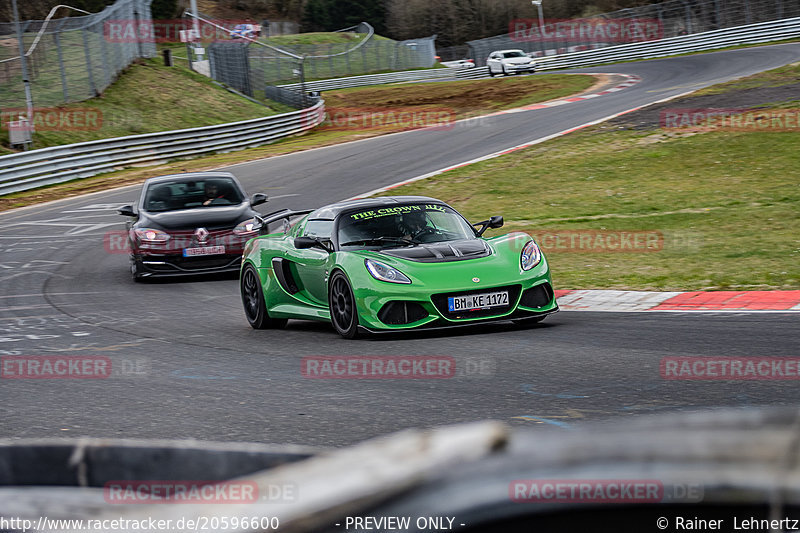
342,303
253,299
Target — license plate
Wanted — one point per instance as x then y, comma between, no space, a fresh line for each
207,250
474,302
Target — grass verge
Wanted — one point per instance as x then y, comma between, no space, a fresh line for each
726,204
147,97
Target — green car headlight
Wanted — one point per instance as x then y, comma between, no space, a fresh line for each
383,272
531,256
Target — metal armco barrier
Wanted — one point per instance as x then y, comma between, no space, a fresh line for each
775,30
35,168
392,77
374,79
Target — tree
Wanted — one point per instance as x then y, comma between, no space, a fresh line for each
316,16
332,15
164,9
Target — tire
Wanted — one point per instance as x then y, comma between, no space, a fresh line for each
255,309
491,73
342,305
528,322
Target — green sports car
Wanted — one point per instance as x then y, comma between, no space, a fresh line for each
391,264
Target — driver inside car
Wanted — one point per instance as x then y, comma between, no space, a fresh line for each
212,192
414,225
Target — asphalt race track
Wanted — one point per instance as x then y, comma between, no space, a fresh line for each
187,365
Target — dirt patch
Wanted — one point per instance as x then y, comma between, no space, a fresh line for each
601,82
482,94
649,118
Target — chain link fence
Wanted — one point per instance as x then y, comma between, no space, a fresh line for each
73,59
645,23
256,68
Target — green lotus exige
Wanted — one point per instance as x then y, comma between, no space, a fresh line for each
389,264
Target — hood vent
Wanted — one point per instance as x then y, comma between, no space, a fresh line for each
441,252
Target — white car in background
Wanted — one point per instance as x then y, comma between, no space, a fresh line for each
507,62
459,63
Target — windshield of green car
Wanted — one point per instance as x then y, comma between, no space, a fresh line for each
401,225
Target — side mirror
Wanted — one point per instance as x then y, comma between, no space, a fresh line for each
302,243
258,199
496,222
493,222
126,210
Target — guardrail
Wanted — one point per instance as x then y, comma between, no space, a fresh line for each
391,77
373,79
473,73
47,166
775,30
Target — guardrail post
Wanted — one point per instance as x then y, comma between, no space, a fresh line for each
104,58
364,58
139,48
87,54
303,81
688,10
26,81
64,90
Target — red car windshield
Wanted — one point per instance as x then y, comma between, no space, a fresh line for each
189,194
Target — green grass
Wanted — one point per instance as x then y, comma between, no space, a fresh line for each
778,77
726,203
149,97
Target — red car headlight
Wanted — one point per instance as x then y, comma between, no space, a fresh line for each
151,236
246,228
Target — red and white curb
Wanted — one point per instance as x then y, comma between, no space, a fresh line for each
629,81
695,301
